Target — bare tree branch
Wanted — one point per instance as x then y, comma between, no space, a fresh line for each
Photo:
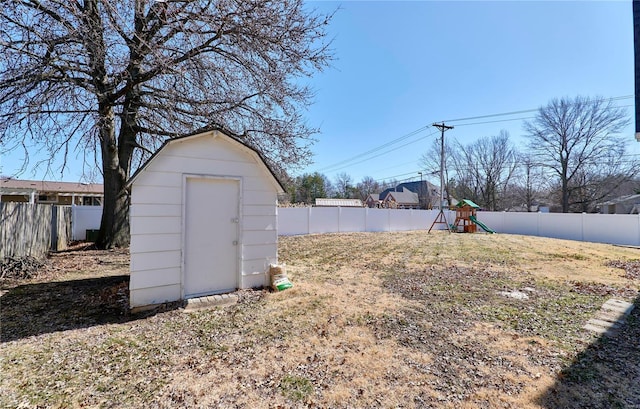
132,73
576,139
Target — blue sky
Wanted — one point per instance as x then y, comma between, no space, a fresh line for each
400,66
403,65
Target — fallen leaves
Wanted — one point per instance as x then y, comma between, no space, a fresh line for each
374,320
599,289
631,268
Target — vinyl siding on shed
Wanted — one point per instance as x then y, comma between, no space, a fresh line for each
156,214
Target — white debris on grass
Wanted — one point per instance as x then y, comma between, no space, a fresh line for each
518,295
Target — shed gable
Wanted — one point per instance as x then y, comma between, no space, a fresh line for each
201,151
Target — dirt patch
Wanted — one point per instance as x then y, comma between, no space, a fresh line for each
374,320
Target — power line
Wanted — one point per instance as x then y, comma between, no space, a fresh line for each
524,111
631,159
375,156
389,178
491,115
376,149
499,120
348,162
515,162
523,118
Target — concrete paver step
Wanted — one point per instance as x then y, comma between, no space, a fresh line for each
618,305
210,301
611,316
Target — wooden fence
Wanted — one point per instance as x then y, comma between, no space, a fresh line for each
33,229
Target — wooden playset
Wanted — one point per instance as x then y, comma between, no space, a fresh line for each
464,210
466,220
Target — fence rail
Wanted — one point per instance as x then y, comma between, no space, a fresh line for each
621,229
33,229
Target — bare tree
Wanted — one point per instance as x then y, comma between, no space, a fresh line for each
116,78
367,186
484,169
595,184
575,139
529,186
344,185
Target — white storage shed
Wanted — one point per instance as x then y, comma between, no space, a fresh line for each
203,220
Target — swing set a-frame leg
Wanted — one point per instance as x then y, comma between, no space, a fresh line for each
440,219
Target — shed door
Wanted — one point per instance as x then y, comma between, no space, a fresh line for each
211,235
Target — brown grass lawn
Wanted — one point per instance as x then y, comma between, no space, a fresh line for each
389,320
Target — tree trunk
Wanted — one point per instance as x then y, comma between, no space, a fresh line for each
565,196
114,226
565,184
528,193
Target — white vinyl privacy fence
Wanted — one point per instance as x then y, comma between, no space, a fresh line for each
599,228
313,220
84,218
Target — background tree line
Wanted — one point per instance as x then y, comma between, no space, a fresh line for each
574,158
306,188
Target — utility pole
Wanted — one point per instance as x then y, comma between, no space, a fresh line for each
420,194
441,218
636,54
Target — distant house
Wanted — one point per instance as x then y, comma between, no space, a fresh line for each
629,204
428,192
373,200
59,193
403,199
321,202
428,195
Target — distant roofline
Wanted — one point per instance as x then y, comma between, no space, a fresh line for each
335,202
13,184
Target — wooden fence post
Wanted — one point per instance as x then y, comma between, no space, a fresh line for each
54,228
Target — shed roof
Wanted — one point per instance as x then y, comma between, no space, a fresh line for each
216,133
